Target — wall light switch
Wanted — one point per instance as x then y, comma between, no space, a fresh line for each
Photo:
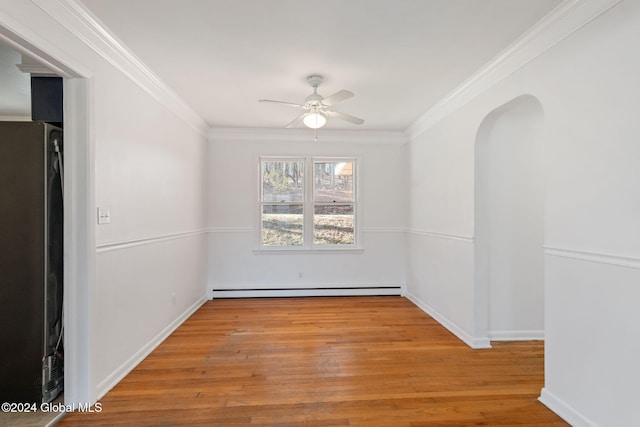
104,217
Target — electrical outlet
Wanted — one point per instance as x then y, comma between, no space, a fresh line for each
104,216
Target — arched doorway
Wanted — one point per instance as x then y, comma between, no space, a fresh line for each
509,222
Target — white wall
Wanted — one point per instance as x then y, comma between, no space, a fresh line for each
587,86
234,216
151,260
509,218
440,247
149,171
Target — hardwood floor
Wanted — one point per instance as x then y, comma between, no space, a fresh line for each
347,361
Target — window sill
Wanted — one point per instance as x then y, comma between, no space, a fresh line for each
289,250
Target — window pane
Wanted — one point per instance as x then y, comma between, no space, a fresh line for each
281,225
333,182
282,181
333,225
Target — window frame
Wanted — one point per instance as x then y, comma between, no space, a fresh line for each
308,206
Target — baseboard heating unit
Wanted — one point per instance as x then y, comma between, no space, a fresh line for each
307,292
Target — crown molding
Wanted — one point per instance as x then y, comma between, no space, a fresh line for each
30,43
36,70
564,20
76,18
306,135
29,65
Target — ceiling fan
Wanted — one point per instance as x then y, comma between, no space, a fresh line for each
318,108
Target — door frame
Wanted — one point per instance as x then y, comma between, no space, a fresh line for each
79,204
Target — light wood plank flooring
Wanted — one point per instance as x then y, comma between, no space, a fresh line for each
349,361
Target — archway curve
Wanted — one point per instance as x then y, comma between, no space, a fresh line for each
509,222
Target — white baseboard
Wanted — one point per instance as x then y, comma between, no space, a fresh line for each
564,410
475,343
117,375
306,292
516,335
56,419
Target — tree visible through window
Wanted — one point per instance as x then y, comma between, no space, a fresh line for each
282,202
299,209
333,203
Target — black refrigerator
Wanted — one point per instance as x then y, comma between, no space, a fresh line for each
31,262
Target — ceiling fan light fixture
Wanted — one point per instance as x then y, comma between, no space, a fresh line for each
314,120
319,108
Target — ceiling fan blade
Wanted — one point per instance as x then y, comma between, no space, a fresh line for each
290,104
347,117
296,121
340,96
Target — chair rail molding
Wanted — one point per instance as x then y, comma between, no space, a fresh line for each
439,235
599,257
125,244
230,229
383,230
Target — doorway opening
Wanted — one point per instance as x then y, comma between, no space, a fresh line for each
78,229
509,222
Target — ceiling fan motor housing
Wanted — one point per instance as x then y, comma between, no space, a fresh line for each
314,99
314,80
318,108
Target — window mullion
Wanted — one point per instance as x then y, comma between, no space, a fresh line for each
308,203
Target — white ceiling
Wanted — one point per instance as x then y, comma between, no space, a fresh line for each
399,57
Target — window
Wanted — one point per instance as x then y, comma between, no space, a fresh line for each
282,202
333,203
308,210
